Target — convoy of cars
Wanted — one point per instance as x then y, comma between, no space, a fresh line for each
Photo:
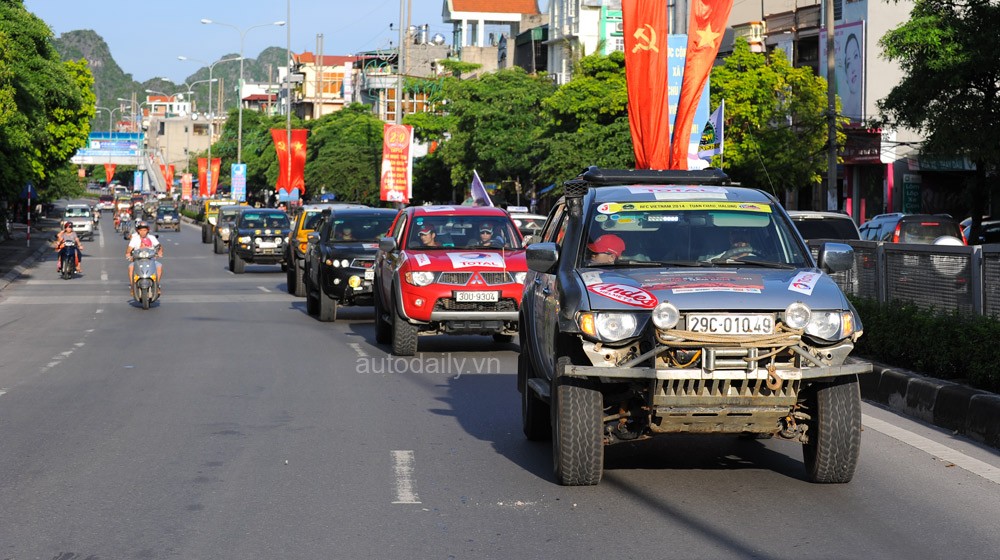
257,236
304,220
898,227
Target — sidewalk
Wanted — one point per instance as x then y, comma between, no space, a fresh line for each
15,253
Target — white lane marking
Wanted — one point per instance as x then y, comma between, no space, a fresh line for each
79,344
263,289
98,311
943,452
66,354
406,492
92,330
3,392
357,348
52,364
104,276
101,241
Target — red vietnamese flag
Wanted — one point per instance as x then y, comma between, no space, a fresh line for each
280,137
644,23
216,169
109,172
298,175
708,23
294,177
169,175
202,180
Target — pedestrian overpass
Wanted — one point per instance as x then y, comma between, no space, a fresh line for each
121,148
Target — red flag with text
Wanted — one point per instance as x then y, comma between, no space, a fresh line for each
216,168
705,29
109,172
203,191
397,163
169,176
645,29
291,159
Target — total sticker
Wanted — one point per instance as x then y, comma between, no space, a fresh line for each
422,259
804,282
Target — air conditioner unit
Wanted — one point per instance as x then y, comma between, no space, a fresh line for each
619,27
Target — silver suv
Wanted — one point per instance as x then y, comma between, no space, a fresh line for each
663,302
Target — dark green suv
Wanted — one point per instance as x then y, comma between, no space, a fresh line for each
258,237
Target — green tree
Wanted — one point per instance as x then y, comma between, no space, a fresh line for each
950,89
45,104
345,155
776,120
586,122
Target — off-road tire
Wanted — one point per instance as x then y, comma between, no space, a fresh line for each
404,335
831,455
217,246
327,305
535,416
236,264
383,333
206,234
577,423
312,301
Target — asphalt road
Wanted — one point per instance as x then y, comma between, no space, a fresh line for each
226,423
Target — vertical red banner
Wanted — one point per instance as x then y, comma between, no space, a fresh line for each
298,175
109,172
169,176
397,163
291,159
280,137
645,29
216,169
203,190
186,186
708,23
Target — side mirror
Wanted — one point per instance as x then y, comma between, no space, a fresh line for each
542,257
387,244
312,237
836,257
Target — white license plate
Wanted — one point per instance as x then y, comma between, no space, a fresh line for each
369,274
477,296
268,245
731,324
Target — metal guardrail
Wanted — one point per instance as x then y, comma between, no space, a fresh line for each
948,278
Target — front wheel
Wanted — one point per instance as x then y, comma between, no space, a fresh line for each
404,335
831,454
382,333
237,264
577,423
144,297
218,247
535,421
327,305
205,234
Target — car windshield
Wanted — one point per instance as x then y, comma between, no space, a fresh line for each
835,228
77,213
360,228
690,234
463,232
261,220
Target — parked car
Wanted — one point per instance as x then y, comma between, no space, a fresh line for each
448,270
824,225
989,233
224,224
258,238
913,228
662,302
304,221
339,266
82,218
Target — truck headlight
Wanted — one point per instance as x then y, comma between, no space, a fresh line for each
797,315
831,325
420,278
608,327
243,239
666,316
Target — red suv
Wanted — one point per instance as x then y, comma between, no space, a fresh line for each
448,270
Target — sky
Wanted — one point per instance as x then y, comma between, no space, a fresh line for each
146,38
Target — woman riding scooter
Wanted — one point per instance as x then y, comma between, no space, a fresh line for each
142,238
73,251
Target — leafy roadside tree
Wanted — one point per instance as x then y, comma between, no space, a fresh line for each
776,121
950,90
586,122
45,104
345,155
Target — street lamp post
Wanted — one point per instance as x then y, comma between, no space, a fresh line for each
211,114
243,35
111,114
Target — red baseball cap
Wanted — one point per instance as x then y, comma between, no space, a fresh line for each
608,243
426,229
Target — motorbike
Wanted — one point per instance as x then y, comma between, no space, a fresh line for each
67,255
145,283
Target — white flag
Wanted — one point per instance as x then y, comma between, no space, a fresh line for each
712,136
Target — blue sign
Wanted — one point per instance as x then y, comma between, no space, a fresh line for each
138,185
29,191
239,182
112,144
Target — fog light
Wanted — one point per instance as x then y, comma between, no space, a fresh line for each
336,281
419,302
797,315
354,281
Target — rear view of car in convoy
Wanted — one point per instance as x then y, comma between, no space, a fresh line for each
913,228
224,224
339,267
209,216
303,223
106,202
527,223
258,238
663,302
824,225
82,219
448,270
167,217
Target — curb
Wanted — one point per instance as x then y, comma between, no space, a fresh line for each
18,270
953,406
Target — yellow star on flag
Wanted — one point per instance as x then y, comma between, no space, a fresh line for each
299,148
707,37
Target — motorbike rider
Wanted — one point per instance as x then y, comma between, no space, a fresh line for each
67,234
142,238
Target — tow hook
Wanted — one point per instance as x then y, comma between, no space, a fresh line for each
773,381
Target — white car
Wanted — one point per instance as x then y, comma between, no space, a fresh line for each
82,218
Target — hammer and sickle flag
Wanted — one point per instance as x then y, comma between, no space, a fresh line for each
645,31
708,22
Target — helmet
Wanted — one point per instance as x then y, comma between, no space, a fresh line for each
141,224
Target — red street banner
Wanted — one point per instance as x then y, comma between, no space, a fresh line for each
216,167
186,186
109,172
169,176
644,23
202,180
708,23
290,179
397,163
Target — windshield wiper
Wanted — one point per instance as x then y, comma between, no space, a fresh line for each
762,264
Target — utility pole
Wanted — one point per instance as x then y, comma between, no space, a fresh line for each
831,99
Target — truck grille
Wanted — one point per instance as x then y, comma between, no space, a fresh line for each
449,304
495,278
455,278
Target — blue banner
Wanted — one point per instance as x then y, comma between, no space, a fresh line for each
238,180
